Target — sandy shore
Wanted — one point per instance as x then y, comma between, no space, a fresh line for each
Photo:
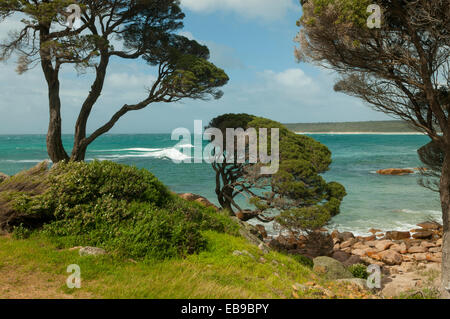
363,133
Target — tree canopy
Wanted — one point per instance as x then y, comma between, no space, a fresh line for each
296,193
139,29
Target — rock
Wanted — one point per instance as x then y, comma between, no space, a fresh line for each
430,225
427,244
420,256
439,242
249,232
400,248
369,238
358,282
3,177
423,235
395,171
383,245
348,243
346,236
360,245
340,256
331,268
390,257
397,235
264,248
437,257
335,235
417,249
435,249
92,251
359,252
199,199
352,261
287,243
262,230
374,231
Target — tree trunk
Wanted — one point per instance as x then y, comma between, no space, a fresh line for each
445,203
55,147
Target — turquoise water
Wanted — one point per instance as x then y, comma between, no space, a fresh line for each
384,202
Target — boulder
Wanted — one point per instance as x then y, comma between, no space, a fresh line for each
426,234
383,245
352,261
349,243
435,249
417,249
395,171
397,235
400,248
420,256
91,251
430,225
390,257
330,268
427,244
341,256
346,236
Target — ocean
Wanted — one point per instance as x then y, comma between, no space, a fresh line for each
373,201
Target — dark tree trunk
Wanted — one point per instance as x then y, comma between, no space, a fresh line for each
445,202
55,147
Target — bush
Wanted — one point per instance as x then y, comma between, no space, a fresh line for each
359,271
122,209
305,261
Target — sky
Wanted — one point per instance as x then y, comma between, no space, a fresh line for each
252,40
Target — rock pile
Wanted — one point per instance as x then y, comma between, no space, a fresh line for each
393,248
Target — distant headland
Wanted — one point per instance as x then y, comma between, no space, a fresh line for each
369,127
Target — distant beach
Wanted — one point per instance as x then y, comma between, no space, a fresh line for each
360,133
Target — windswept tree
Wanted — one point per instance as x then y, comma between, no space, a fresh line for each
123,29
400,68
296,195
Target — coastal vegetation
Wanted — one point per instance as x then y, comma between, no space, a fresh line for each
129,30
400,68
133,238
296,194
352,127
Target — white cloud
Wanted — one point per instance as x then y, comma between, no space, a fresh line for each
265,9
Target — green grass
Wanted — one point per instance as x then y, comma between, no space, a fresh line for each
213,273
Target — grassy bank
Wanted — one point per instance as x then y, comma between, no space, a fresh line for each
36,268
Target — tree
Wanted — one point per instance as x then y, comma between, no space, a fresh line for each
432,157
400,68
296,194
130,30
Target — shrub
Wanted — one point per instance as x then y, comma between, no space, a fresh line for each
120,208
359,271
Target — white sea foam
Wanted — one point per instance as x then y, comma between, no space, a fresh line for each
171,153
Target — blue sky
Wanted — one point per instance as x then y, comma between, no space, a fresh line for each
251,39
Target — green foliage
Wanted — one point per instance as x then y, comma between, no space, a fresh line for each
296,192
305,218
123,209
359,271
350,11
305,261
20,232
